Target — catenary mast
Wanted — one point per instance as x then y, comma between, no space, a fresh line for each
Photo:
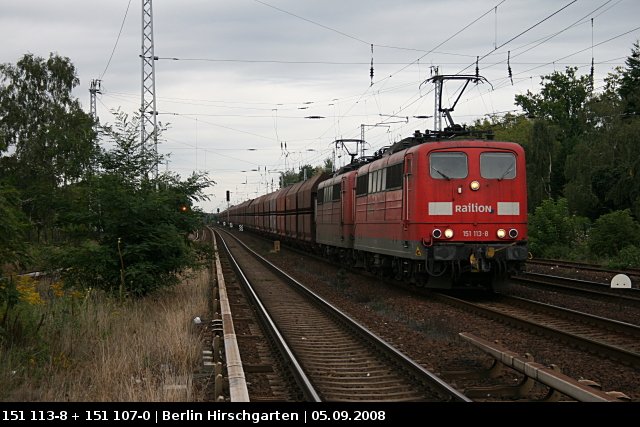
148,112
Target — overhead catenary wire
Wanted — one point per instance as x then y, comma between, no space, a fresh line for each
557,61
545,39
520,34
117,40
424,55
551,62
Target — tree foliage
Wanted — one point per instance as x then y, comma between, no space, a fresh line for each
559,110
561,101
129,158
602,169
613,232
118,228
51,138
291,177
541,154
12,227
629,89
553,231
132,231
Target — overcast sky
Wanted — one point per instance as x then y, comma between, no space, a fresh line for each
236,80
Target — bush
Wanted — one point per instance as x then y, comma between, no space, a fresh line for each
137,241
612,232
128,234
628,257
554,232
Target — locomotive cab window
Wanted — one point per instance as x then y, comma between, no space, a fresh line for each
448,165
498,166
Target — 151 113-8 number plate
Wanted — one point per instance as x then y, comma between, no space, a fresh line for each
475,233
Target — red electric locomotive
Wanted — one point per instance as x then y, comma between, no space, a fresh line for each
437,213
440,213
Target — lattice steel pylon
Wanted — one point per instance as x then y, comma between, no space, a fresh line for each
93,90
437,114
148,112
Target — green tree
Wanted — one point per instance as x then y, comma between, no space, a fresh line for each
133,237
513,128
602,169
629,89
561,101
327,168
584,187
52,138
541,153
554,232
288,178
560,109
12,251
12,224
129,159
613,232
306,172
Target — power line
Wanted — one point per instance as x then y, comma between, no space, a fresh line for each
549,37
519,35
342,33
117,39
313,22
421,57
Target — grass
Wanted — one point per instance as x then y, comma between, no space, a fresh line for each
88,347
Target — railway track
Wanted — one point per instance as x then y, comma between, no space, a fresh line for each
616,340
587,287
466,382
331,357
268,379
633,273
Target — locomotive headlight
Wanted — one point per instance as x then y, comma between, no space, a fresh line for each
475,185
436,233
501,233
513,233
448,233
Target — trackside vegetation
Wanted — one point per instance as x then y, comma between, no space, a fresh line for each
98,222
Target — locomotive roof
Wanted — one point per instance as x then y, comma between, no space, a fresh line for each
416,139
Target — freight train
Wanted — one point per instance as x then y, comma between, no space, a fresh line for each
435,210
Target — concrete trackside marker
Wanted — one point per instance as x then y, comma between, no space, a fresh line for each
621,281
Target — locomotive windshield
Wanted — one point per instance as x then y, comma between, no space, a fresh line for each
498,166
448,165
